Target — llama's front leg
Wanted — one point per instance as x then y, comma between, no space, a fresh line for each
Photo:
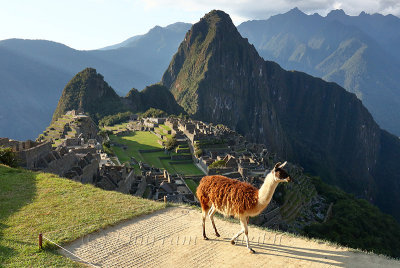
211,215
203,215
246,233
238,234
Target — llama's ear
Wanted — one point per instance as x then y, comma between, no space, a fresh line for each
281,166
277,165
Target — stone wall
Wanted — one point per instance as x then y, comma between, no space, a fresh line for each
3,142
151,151
30,157
181,157
84,150
125,185
215,171
62,165
90,171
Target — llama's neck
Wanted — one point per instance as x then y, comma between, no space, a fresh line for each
267,190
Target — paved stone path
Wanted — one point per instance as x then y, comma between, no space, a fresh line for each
172,238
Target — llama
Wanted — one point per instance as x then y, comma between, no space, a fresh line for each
235,198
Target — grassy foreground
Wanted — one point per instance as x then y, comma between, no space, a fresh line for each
61,209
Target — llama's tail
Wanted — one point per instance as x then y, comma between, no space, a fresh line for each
201,193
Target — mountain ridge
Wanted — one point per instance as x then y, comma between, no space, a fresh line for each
304,119
41,65
335,51
88,92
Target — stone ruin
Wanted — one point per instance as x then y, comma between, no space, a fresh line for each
29,153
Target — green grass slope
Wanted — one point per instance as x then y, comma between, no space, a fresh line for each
61,209
143,140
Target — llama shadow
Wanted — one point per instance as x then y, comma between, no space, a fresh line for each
339,259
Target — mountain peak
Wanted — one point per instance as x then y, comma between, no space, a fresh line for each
88,91
213,38
215,19
336,13
295,11
216,14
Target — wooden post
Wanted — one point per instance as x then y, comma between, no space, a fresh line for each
165,199
40,241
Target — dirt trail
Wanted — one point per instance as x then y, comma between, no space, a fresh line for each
172,238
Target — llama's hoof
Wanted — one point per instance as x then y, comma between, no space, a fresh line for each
217,235
232,242
205,237
251,251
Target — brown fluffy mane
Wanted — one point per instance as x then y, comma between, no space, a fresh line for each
229,196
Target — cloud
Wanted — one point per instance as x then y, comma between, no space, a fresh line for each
241,10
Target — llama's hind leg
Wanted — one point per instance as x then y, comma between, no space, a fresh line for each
211,213
204,215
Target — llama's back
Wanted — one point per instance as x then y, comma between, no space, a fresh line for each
230,197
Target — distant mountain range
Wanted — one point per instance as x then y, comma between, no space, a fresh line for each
34,72
218,77
29,90
360,53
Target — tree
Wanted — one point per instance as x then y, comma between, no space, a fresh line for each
171,143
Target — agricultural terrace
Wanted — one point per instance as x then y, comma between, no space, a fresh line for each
117,127
129,146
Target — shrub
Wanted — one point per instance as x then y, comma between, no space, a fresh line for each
217,164
108,150
106,144
8,157
198,153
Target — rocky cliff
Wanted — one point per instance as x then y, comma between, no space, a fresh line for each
217,76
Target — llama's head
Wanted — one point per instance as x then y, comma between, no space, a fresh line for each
279,174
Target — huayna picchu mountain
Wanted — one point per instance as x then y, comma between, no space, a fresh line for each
87,91
217,76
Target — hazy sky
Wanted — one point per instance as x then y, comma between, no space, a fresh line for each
91,24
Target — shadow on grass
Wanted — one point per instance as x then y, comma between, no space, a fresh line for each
17,189
127,146
146,137
132,145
